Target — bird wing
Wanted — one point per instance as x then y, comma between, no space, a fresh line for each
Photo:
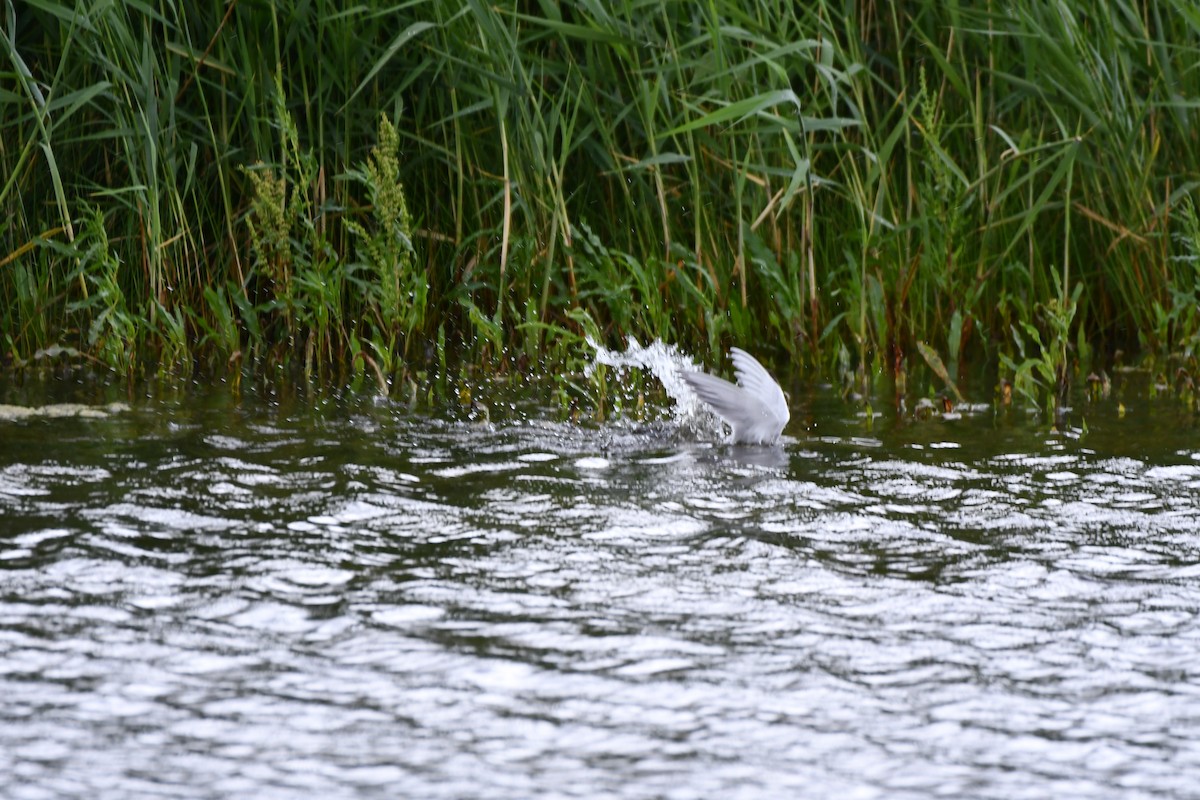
756,409
758,382
725,398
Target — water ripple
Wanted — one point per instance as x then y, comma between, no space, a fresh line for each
268,605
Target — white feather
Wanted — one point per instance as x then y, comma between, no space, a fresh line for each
754,407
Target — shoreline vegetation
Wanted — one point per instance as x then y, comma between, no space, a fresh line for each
379,193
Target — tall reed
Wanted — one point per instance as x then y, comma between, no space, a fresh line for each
834,183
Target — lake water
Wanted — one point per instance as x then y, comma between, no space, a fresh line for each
205,597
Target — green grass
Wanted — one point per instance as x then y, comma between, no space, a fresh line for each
354,191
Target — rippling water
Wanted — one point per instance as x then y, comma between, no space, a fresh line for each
219,599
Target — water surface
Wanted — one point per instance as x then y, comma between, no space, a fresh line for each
212,597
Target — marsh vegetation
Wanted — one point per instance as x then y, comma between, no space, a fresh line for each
382,193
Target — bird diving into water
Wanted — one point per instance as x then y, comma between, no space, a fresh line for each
754,407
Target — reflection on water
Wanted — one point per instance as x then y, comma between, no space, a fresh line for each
241,600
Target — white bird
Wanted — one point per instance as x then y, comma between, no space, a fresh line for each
756,409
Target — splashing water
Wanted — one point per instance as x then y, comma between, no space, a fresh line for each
667,363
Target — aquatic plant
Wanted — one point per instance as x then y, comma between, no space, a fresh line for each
356,191
113,329
396,289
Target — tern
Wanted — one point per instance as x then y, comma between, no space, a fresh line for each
754,407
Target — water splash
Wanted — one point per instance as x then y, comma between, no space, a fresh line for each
667,363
